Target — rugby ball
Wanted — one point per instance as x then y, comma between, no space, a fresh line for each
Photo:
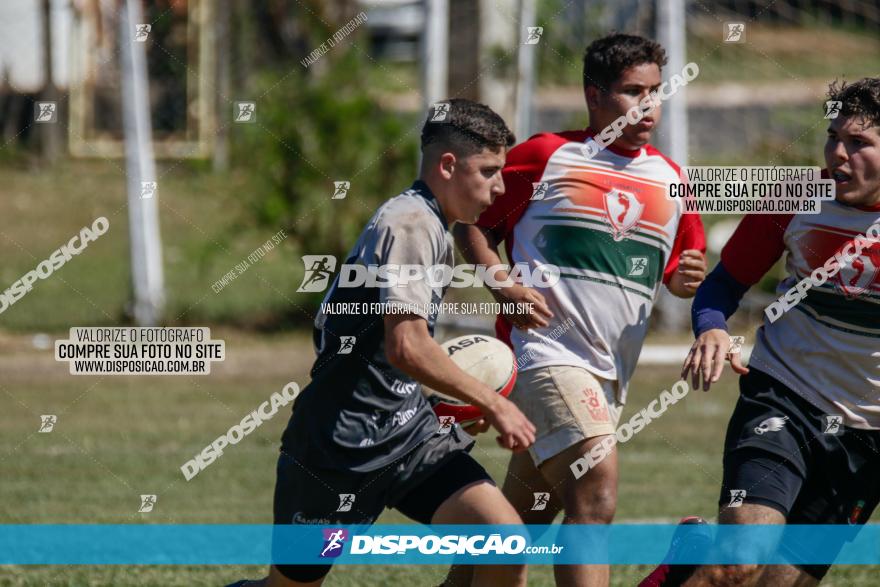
484,358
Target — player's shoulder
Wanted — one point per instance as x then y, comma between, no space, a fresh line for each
413,210
540,147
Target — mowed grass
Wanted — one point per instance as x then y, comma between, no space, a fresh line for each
119,437
206,230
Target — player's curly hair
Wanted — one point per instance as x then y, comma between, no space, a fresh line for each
607,58
861,98
465,127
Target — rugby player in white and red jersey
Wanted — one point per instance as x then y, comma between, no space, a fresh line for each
803,443
603,217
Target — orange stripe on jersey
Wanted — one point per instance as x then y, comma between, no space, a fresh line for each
588,188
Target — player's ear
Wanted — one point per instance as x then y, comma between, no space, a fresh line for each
591,94
447,164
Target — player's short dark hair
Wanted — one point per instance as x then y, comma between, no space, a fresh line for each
607,58
861,98
466,128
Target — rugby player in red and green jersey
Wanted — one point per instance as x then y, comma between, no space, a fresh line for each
604,218
803,443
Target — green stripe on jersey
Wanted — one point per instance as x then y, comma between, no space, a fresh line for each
604,225
605,282
578,247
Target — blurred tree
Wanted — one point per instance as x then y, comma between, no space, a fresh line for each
317,124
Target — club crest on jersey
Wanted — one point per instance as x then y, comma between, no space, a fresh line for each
624,211
856,278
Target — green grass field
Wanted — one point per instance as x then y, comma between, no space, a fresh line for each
118,437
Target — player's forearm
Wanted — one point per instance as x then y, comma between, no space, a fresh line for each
478,246
677,286
717,300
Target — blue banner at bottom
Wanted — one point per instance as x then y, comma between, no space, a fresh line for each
616,544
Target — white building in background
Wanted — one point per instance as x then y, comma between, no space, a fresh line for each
22,46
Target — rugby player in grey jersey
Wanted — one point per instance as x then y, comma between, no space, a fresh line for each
362,436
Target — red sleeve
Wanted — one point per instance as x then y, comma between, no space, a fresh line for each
689,235
525,165
755,246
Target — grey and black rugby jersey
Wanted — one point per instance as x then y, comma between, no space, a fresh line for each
360,413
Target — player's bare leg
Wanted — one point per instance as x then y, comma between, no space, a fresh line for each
592,499
739,575
523,480
483,503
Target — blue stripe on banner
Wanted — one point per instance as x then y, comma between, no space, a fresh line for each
618,544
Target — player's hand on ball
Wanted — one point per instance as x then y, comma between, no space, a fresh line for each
515,431
707,356
522,296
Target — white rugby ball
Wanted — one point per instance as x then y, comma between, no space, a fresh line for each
484,358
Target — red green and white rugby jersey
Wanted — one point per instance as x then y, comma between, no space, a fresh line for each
824,348
607,223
